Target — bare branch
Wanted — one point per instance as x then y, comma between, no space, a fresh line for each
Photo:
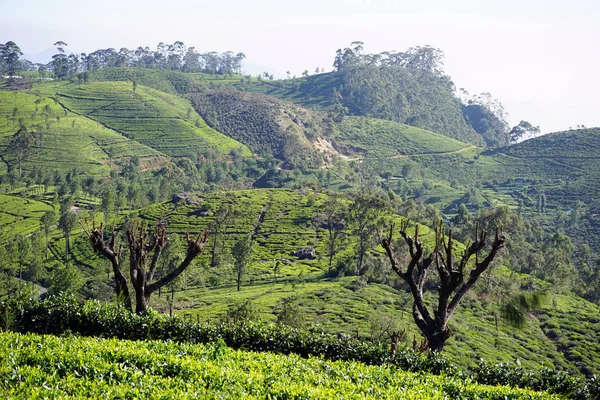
195,247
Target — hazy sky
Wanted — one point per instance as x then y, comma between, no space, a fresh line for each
540,58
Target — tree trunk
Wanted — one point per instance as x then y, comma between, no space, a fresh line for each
67,249
436,338
20,276
213,256
142,302
331,251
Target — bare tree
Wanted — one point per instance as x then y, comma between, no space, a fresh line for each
141,249
451,275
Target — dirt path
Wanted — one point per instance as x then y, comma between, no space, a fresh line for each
429,153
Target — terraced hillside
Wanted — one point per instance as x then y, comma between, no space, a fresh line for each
21,215
64,140
164,122
386,139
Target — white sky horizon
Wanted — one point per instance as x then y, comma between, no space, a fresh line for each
539,58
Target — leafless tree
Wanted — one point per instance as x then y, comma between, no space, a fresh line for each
454,282
142,248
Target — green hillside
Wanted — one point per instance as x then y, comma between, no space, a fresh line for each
384,139
561,168
267,125
164,122
121,144
282,222
21,215
64,140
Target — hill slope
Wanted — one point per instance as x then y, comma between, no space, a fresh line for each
64,140
164,122
558,335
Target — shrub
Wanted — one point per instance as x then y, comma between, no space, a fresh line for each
58,315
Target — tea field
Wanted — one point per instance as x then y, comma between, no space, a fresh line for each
35,366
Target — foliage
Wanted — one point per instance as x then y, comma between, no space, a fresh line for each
9,58
73,367
59,315
65,279
243,313
524,130
487,117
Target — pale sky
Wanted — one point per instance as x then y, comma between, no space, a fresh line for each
540,58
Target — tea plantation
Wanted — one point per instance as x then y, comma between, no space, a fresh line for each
34,366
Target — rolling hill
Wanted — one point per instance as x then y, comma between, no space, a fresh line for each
88,126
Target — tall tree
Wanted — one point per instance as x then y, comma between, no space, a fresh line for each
222,218
65,279
21,145
524,130
67,222
60,61
23,246
107,204
451,275
241,252
10,55
143,249
364,213
47,223
332,217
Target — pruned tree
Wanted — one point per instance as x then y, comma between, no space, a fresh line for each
453,278
143,248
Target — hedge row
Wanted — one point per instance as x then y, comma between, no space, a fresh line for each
63,314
